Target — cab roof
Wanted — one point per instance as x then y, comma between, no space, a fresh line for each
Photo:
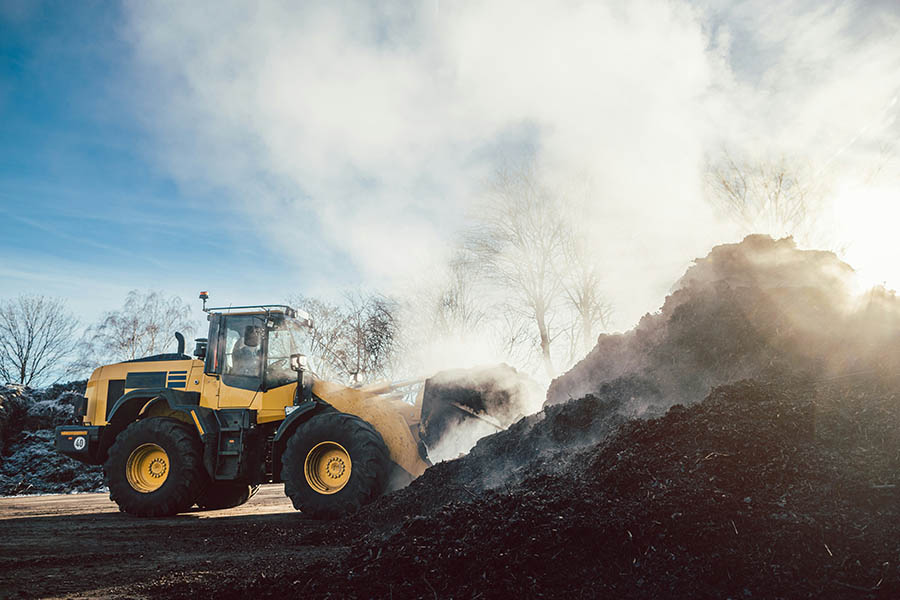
261,309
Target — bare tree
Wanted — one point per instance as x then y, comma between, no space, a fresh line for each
456,311
518,239
581,275
143,326
353,342
516,337
762,196
582,288
36,338
326,337
372,329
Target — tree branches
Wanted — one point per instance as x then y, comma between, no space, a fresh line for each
772,197
355,341
142,327
529,240
36,338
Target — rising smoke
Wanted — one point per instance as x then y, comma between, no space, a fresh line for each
376,126
461,406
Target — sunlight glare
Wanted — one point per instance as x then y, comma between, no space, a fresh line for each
867,220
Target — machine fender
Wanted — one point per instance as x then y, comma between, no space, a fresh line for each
130,406
200,418
298,416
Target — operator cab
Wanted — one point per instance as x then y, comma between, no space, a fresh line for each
251,347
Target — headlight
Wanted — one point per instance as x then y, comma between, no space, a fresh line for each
298,362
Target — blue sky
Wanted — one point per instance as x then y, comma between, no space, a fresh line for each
86,211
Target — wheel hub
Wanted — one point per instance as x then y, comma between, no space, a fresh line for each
327,467
335,467
157,468
147,468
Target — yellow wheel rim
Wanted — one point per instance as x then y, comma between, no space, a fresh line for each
147,468
327,467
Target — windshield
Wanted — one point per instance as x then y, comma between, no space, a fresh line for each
287,336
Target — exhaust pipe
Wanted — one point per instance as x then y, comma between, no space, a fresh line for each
180,339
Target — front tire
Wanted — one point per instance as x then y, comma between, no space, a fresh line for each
155,468
333,464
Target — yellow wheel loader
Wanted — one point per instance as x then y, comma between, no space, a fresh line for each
174,431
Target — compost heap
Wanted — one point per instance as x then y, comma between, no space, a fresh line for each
758,309
29,464
781,482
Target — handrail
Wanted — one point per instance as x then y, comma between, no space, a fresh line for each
263,306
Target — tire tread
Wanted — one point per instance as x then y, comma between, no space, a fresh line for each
368,479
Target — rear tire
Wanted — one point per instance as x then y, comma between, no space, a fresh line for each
155,468
226,494
333,464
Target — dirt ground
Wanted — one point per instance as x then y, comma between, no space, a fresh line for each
80,545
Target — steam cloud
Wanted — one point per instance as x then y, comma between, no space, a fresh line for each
374,127
500,392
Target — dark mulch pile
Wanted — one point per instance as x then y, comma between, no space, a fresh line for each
748,494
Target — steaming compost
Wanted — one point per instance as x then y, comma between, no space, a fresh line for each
741,443
758,309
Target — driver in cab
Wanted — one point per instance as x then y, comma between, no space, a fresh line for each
247,358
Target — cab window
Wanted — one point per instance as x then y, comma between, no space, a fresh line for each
278,362
244,344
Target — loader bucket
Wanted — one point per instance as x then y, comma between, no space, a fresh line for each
498,395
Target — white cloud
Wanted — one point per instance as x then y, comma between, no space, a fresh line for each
376,125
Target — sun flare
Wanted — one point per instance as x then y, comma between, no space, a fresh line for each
867,221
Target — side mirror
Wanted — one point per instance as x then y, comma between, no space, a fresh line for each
298,362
